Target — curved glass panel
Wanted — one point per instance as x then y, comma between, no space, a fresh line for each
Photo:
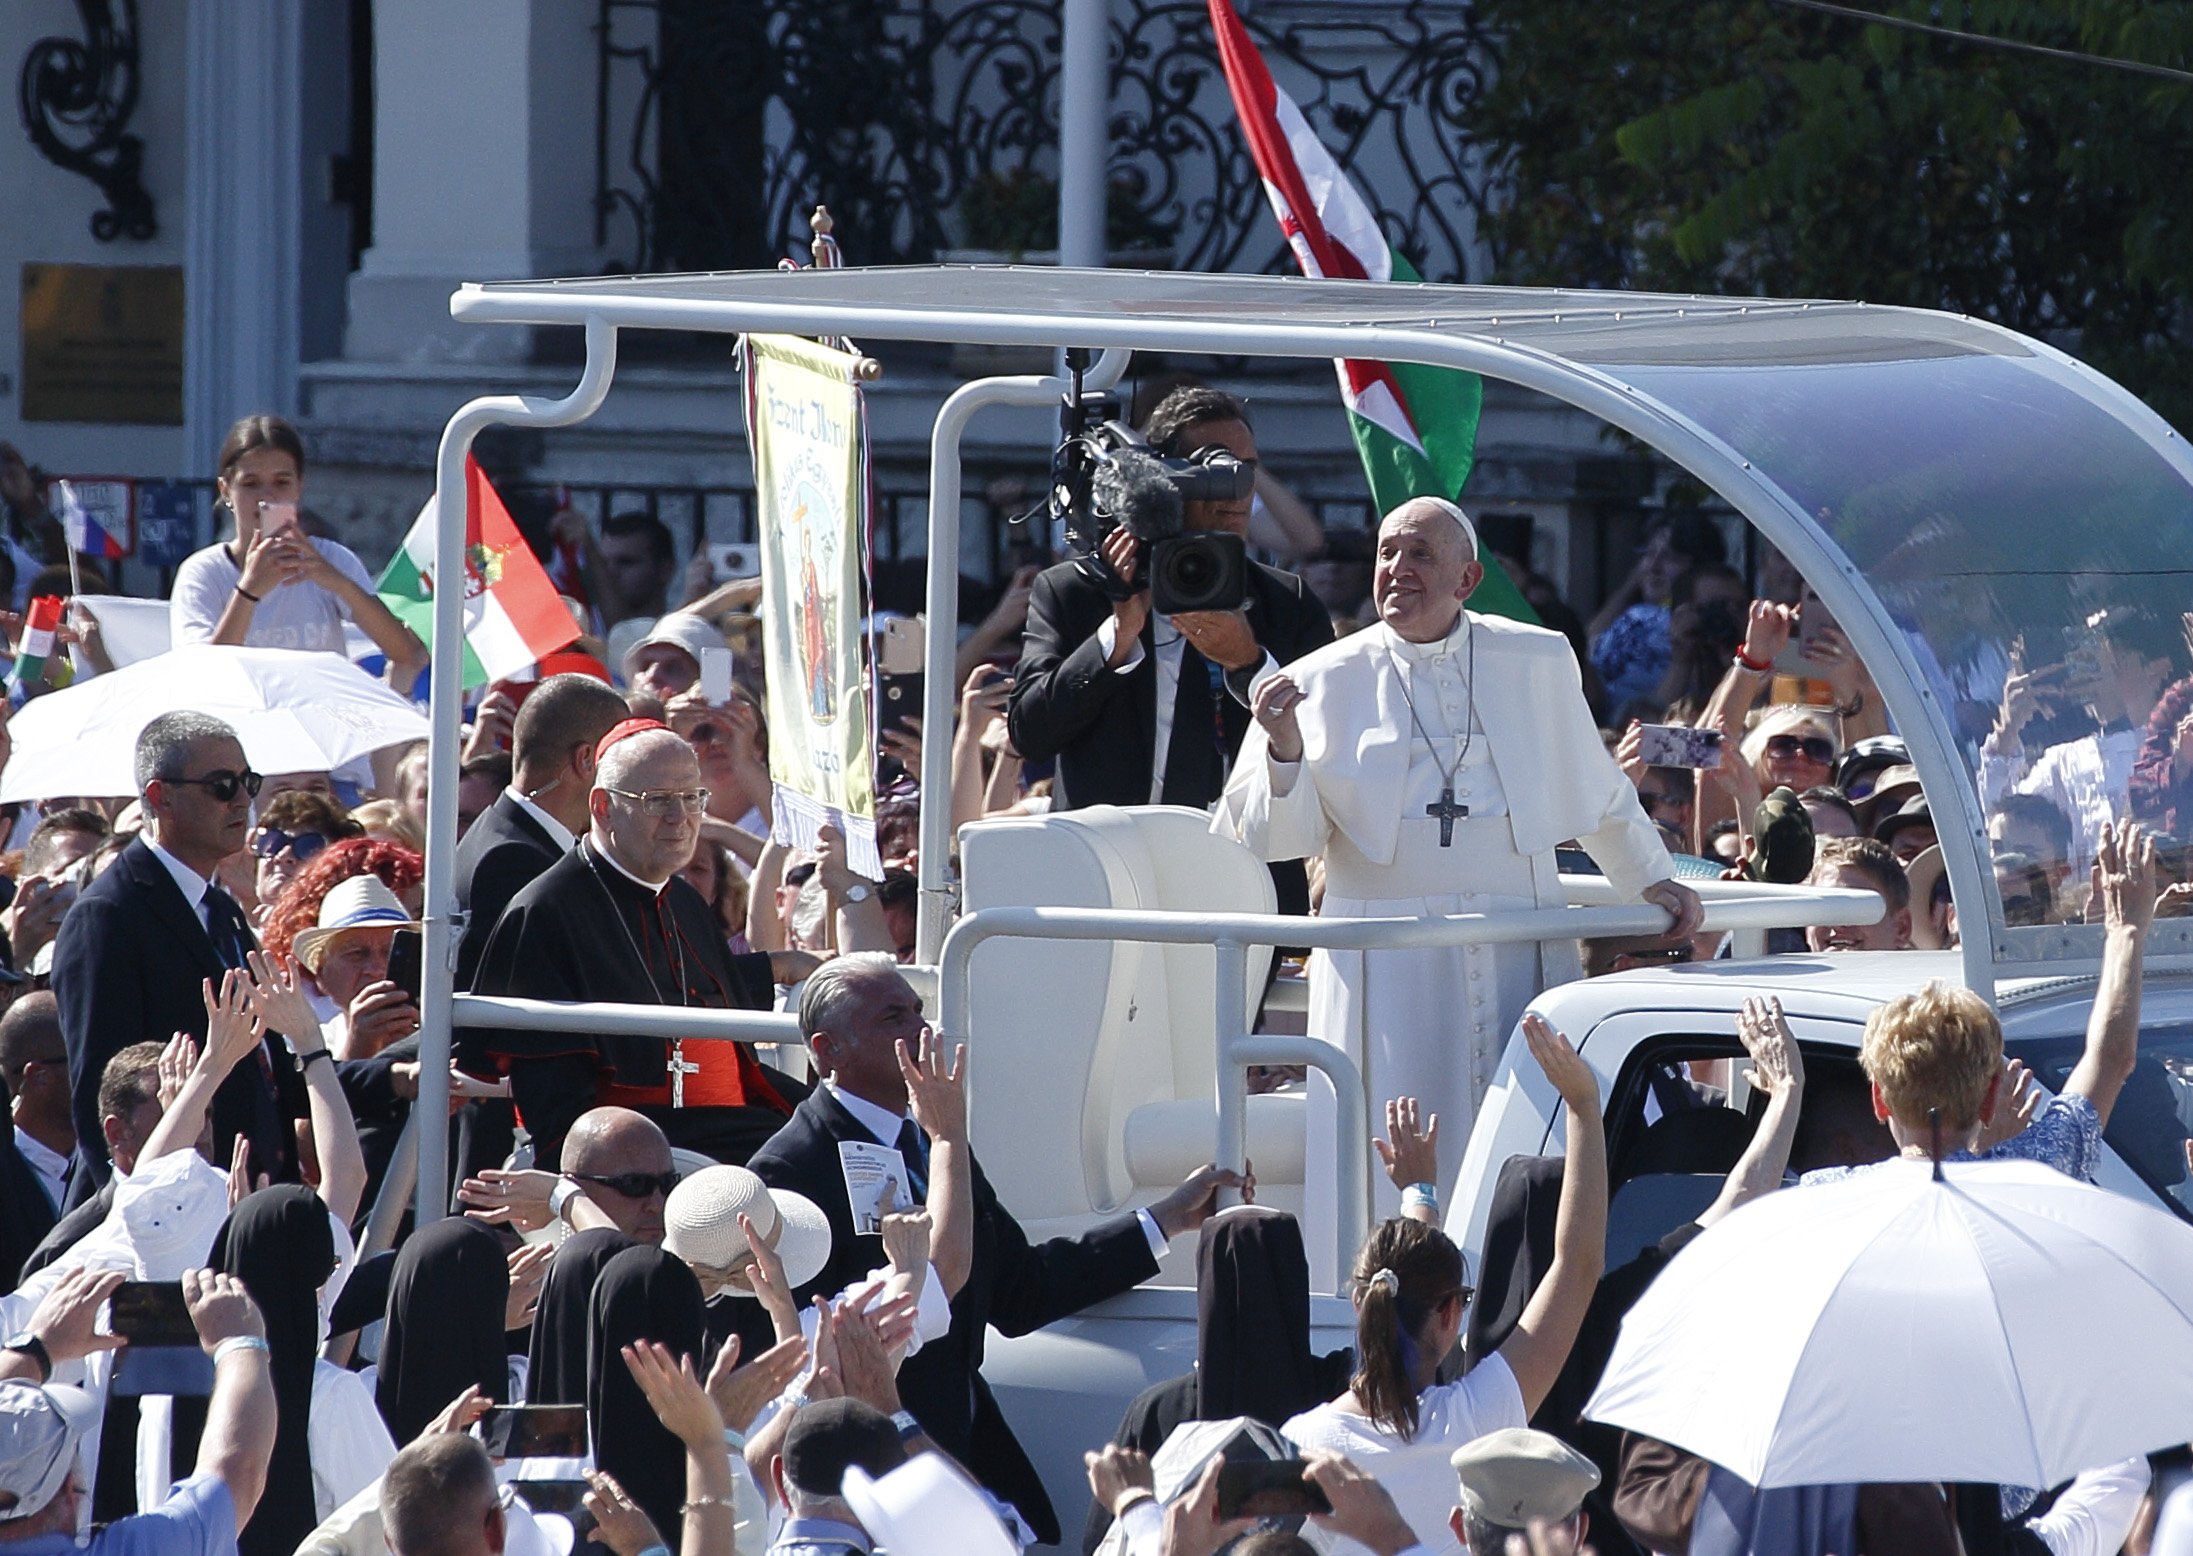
2006,517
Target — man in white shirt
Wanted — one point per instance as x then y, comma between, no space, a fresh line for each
35,1063
2136,654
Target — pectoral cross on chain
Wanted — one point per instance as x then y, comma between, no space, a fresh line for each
1446,810
679,1067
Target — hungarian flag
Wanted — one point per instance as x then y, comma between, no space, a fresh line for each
40,625
512,616
1415,426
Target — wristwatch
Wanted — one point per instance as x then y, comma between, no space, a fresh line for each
909,1428
858,892
33,1347
561,1196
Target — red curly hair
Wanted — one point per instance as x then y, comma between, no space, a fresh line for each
298,907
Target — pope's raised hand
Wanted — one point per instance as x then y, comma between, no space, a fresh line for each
1274,702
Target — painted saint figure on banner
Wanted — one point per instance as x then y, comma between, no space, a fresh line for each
815,609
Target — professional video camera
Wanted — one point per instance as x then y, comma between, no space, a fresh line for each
1104,477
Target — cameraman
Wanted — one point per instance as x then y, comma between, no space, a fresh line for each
1140,711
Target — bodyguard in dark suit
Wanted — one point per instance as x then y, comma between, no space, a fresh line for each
133,954
1087,689
539,817
531,825
855,1012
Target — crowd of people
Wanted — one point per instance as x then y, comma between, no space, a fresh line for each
762,1284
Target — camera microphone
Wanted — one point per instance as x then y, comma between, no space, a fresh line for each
1136,491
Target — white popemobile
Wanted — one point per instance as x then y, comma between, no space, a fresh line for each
1943,484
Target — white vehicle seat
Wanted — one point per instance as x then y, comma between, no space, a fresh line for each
1092,1085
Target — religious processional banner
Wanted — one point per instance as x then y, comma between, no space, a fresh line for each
804,419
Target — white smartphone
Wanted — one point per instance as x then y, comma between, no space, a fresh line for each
277,518
716,676
729,560
900,653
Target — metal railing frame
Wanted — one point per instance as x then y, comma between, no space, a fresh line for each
1729,906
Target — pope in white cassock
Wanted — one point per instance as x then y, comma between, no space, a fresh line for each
1434,760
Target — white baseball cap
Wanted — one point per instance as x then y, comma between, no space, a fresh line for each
678,629
39,1430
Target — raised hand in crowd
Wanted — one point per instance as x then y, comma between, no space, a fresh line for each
1768,628
1119,1477
936,1091
1539,1345
1410,1153
34,917
2015,1107
1363,1510
763,1273
906,1243
740,1393
241,1184
674,1393
1777,1070
903,740
492,724
519,1199
65,1324
277,998
1192,1524
2124,883
232,1031
854,925
459,1415
529,1264
619,1522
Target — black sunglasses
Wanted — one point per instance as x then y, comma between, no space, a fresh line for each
1816,747
223,785
272,840
633,1185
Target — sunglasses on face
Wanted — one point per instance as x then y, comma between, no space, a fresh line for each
302,845
223,786
633,1185
1814,748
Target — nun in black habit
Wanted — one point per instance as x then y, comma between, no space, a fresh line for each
643,1294
556,1363
446,1304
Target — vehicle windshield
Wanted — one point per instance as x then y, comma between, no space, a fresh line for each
2153,1117
2012,515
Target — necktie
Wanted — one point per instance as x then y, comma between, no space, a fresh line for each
224,926
914,1150
1195,764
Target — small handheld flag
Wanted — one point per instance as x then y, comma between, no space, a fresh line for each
36,647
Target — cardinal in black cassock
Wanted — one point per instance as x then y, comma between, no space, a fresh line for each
612,921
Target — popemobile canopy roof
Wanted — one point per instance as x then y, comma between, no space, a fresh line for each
1947,486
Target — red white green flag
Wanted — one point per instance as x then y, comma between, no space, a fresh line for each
512,616
1415,426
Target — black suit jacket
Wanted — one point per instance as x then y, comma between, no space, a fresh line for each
128,966
1016,1286
26,1215
70,1230
505,851
1101,726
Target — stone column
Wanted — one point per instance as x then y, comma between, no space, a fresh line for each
483,168
240,193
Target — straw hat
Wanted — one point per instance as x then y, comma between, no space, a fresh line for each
1925,872
701,1225
362,902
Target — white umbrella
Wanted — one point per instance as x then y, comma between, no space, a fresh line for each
2006,1323
294,712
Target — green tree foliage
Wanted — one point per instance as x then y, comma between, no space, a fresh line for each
1741,146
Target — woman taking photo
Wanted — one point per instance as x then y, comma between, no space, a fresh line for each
270,585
